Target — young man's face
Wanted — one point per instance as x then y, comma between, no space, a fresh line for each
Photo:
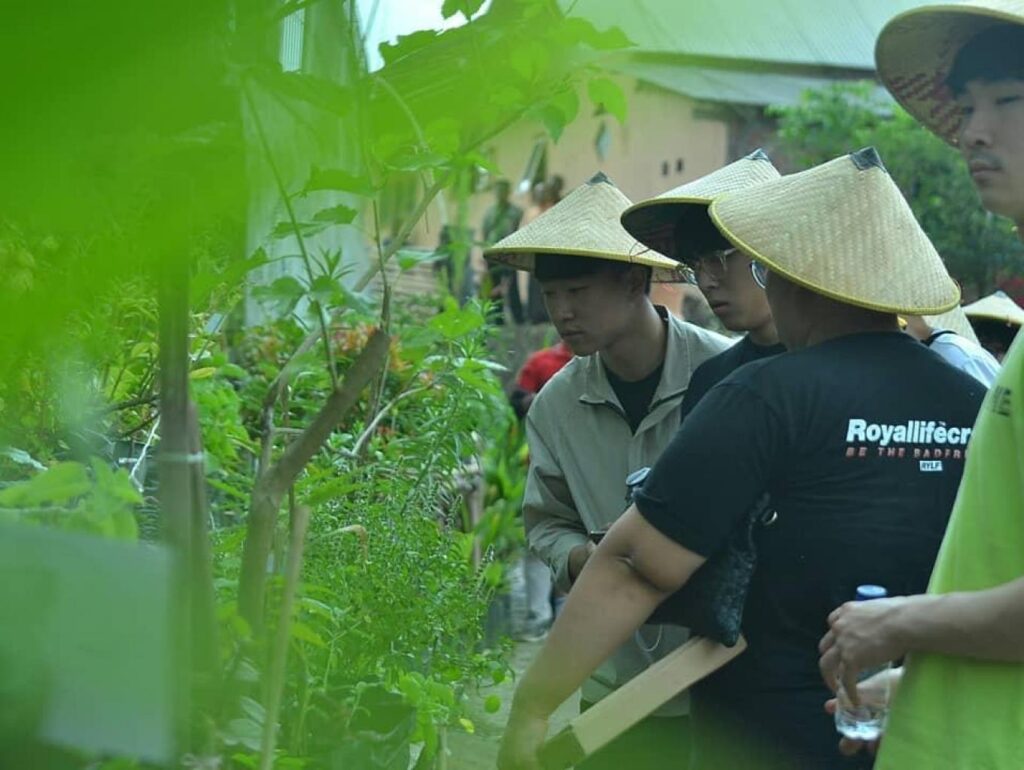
992,143
725,280
593,312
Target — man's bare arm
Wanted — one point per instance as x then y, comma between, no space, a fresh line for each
632,571
984,625
987,625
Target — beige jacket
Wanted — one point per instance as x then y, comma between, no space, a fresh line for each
581,450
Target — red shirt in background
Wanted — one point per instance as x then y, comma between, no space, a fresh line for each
538,369
542,366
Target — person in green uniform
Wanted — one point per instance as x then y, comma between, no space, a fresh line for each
960,703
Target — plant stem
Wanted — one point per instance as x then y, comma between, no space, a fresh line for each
174,463
366,434
279,655
133,402
204,603
274,480
286,199
403,231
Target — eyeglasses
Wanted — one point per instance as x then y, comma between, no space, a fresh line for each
760,272
713,263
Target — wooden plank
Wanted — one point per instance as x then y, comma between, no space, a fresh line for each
622,709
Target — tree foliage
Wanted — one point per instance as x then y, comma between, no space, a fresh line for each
141,141
932,175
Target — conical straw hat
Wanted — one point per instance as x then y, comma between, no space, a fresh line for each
955,321
584,224
915,52
996,307
653,221
843,230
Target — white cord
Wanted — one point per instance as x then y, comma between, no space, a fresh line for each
641,643
141,457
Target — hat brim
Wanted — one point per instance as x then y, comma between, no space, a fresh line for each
524,258
653,223
996,318
916,50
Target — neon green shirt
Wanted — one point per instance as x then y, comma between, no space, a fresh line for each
956,713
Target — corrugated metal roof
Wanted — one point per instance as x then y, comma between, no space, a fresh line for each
759,88
830,33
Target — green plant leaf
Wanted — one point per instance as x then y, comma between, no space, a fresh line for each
412,160
325,290
306,229
507,97
61,483
304,633
286,291
409,258
361,302
22,457
243,732
336,215
553,119
576,29
228,489
253,710
493,574
406,44
609,95
443,135
455,322
567,101
205,282
338,180
477,159
467,8
233,370
330,490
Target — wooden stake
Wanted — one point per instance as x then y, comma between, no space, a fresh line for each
612,716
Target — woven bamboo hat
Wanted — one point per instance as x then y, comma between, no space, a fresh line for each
996,307
843,230
584,224
916,49
653,221
956,321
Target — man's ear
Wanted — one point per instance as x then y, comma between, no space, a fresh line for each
636,280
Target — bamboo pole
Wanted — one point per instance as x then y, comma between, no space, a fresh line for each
279,654
175,461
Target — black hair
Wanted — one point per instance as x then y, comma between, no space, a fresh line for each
551,267
695,234
997,53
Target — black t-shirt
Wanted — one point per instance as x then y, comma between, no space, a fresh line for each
635,397
860,442
717,368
